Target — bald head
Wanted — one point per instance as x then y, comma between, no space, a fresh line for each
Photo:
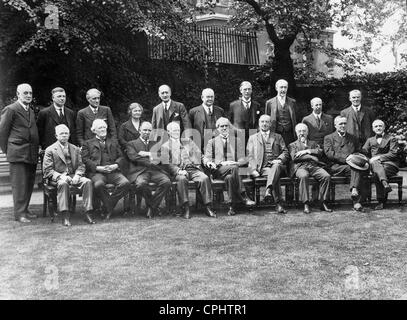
208,97
316,105
164,92
281,87
24,93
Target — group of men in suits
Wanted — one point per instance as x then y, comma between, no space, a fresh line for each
193,145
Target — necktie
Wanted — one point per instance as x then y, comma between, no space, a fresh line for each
318,122
95,110
225,148
210,111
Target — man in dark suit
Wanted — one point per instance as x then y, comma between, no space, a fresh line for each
244,112
204,117
282,110
103,159
224,155
359,118
382,148
19,141
168,111
319,124
57,113
268,156
63,166
87,115
182,159
305,162
144,168
337,147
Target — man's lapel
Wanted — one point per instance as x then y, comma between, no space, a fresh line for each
73,155
60,153
171,109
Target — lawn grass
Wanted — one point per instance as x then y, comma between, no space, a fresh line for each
339,255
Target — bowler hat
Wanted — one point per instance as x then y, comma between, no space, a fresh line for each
358,161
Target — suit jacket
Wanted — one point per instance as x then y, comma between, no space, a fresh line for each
127,132
298,162
315,132
237,114
48,119
177,112
91,154
214,151
198,120
365,130
168,153
271,110
85,119
139,164
256,149
54,163
337,149
387,149
19,134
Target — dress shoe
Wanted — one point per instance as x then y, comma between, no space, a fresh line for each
31,215
386,186
267,195
231,211
249,203
66,222
380,206
23,220
324,207
354,194
307,210
358,207
280,209
209,212
186,214
150,214
88,218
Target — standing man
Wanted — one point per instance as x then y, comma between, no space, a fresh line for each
359,118
243,113
304,154
281,110
319,124
93,111
169,110
57,113
63,166
103,159
268,156
204,117
182,159
19,141
382,148
144,169
338,146
224,155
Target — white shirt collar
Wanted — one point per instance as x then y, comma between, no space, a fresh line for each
23,105
207,108
168,103
62,146
145,141
317,115
357,108
281,99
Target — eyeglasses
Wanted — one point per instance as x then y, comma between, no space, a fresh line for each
224,126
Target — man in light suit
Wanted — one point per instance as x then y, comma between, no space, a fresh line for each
168,111
319,124
145,168
19,141
337,147
268,156
103,159
182,159
305,162
281,110
63,166
57,113
359,118
93,111
382,150
224,155
204,117
244,112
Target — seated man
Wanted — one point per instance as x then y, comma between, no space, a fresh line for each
304,154
63,166
268,156
337,147
144,168
182,159
382,150
103,158
224,154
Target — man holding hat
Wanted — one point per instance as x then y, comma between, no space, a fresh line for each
340,148
382,148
